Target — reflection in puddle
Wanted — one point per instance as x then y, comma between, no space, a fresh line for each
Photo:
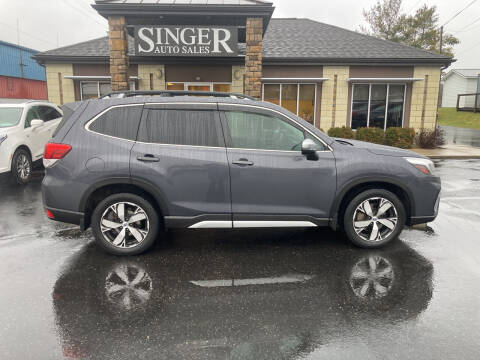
372,277
128,286
292,278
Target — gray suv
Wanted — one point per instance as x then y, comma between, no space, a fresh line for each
130,167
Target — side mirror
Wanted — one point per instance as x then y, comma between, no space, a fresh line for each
309,147
35,123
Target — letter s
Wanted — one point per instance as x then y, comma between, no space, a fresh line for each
142,36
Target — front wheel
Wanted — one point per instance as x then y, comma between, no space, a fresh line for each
125,224
21,166
374,218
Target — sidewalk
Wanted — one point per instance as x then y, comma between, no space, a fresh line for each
450,152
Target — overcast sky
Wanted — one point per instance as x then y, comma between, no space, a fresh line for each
47,24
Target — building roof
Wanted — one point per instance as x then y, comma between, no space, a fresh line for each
287,41
468,73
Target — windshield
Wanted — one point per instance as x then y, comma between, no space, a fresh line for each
10,116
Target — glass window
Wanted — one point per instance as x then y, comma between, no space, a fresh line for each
306,102
257,131
89,90
289,97
48,113
378,102
106,88
221,87
32,114
121,122
376,95
271,93
175,86
180,127
10,116
360,105
395,105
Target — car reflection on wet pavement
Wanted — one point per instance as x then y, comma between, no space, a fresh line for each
245,294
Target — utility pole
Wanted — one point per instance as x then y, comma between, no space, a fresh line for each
441,39
20,62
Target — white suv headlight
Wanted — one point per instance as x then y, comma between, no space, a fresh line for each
2,138
424,165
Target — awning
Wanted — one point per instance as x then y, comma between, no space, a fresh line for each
384,79
293,80
94,77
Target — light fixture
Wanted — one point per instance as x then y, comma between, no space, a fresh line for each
237,74
159,74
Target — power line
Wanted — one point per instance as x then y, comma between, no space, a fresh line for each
458,13
28,34
83,12
465,27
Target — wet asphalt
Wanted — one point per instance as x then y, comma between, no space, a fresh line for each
273,294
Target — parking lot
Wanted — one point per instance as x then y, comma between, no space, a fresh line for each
244,294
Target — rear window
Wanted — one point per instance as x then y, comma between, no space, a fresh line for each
121,122
180,127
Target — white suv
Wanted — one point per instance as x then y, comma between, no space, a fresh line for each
25,127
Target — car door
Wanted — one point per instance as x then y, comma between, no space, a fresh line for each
180,151
35,138
272,182
51,116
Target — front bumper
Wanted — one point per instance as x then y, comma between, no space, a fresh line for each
415,220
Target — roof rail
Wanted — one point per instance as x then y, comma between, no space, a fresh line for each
172,93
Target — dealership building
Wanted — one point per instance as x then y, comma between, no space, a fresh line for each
327,75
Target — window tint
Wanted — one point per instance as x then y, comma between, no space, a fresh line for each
32,114
180,127
48,113
257,131
121,122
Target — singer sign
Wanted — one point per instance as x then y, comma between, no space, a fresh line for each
185,41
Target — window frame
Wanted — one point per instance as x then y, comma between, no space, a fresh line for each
386,100
298,96
131,82
199,83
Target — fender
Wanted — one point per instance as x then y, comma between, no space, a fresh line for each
365,180
144,185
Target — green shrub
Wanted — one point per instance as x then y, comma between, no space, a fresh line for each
371,134
399,137
343,132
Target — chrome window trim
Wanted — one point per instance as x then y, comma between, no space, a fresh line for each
87,125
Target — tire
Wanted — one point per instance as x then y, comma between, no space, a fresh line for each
373,230
21,166
137,237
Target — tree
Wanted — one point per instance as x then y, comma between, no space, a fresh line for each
420,30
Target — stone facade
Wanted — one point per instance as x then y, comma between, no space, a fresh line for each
118,52
334,106
60,90
253,57
238,73
423,109
152,77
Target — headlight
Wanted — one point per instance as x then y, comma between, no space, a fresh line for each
2,138
424,165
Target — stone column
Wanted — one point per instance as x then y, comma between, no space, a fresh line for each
253,57
118,53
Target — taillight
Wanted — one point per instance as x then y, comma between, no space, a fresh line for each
54,152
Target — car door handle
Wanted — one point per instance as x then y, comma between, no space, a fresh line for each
243,162
148,158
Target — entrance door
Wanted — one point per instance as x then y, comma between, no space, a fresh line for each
272,182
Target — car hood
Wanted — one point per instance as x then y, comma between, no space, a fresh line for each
378,149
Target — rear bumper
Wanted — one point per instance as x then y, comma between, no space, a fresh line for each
66,216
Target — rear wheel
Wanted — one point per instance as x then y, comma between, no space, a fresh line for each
125,224
374,218
21,166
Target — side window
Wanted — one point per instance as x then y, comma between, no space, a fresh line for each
121,122
48,113
32,114
180,127
258,131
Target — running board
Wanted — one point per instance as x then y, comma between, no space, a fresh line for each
212,224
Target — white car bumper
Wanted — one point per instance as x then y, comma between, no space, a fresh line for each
5,162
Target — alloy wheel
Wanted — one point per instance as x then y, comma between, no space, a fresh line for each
372,277
375,219
124,225
23,167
